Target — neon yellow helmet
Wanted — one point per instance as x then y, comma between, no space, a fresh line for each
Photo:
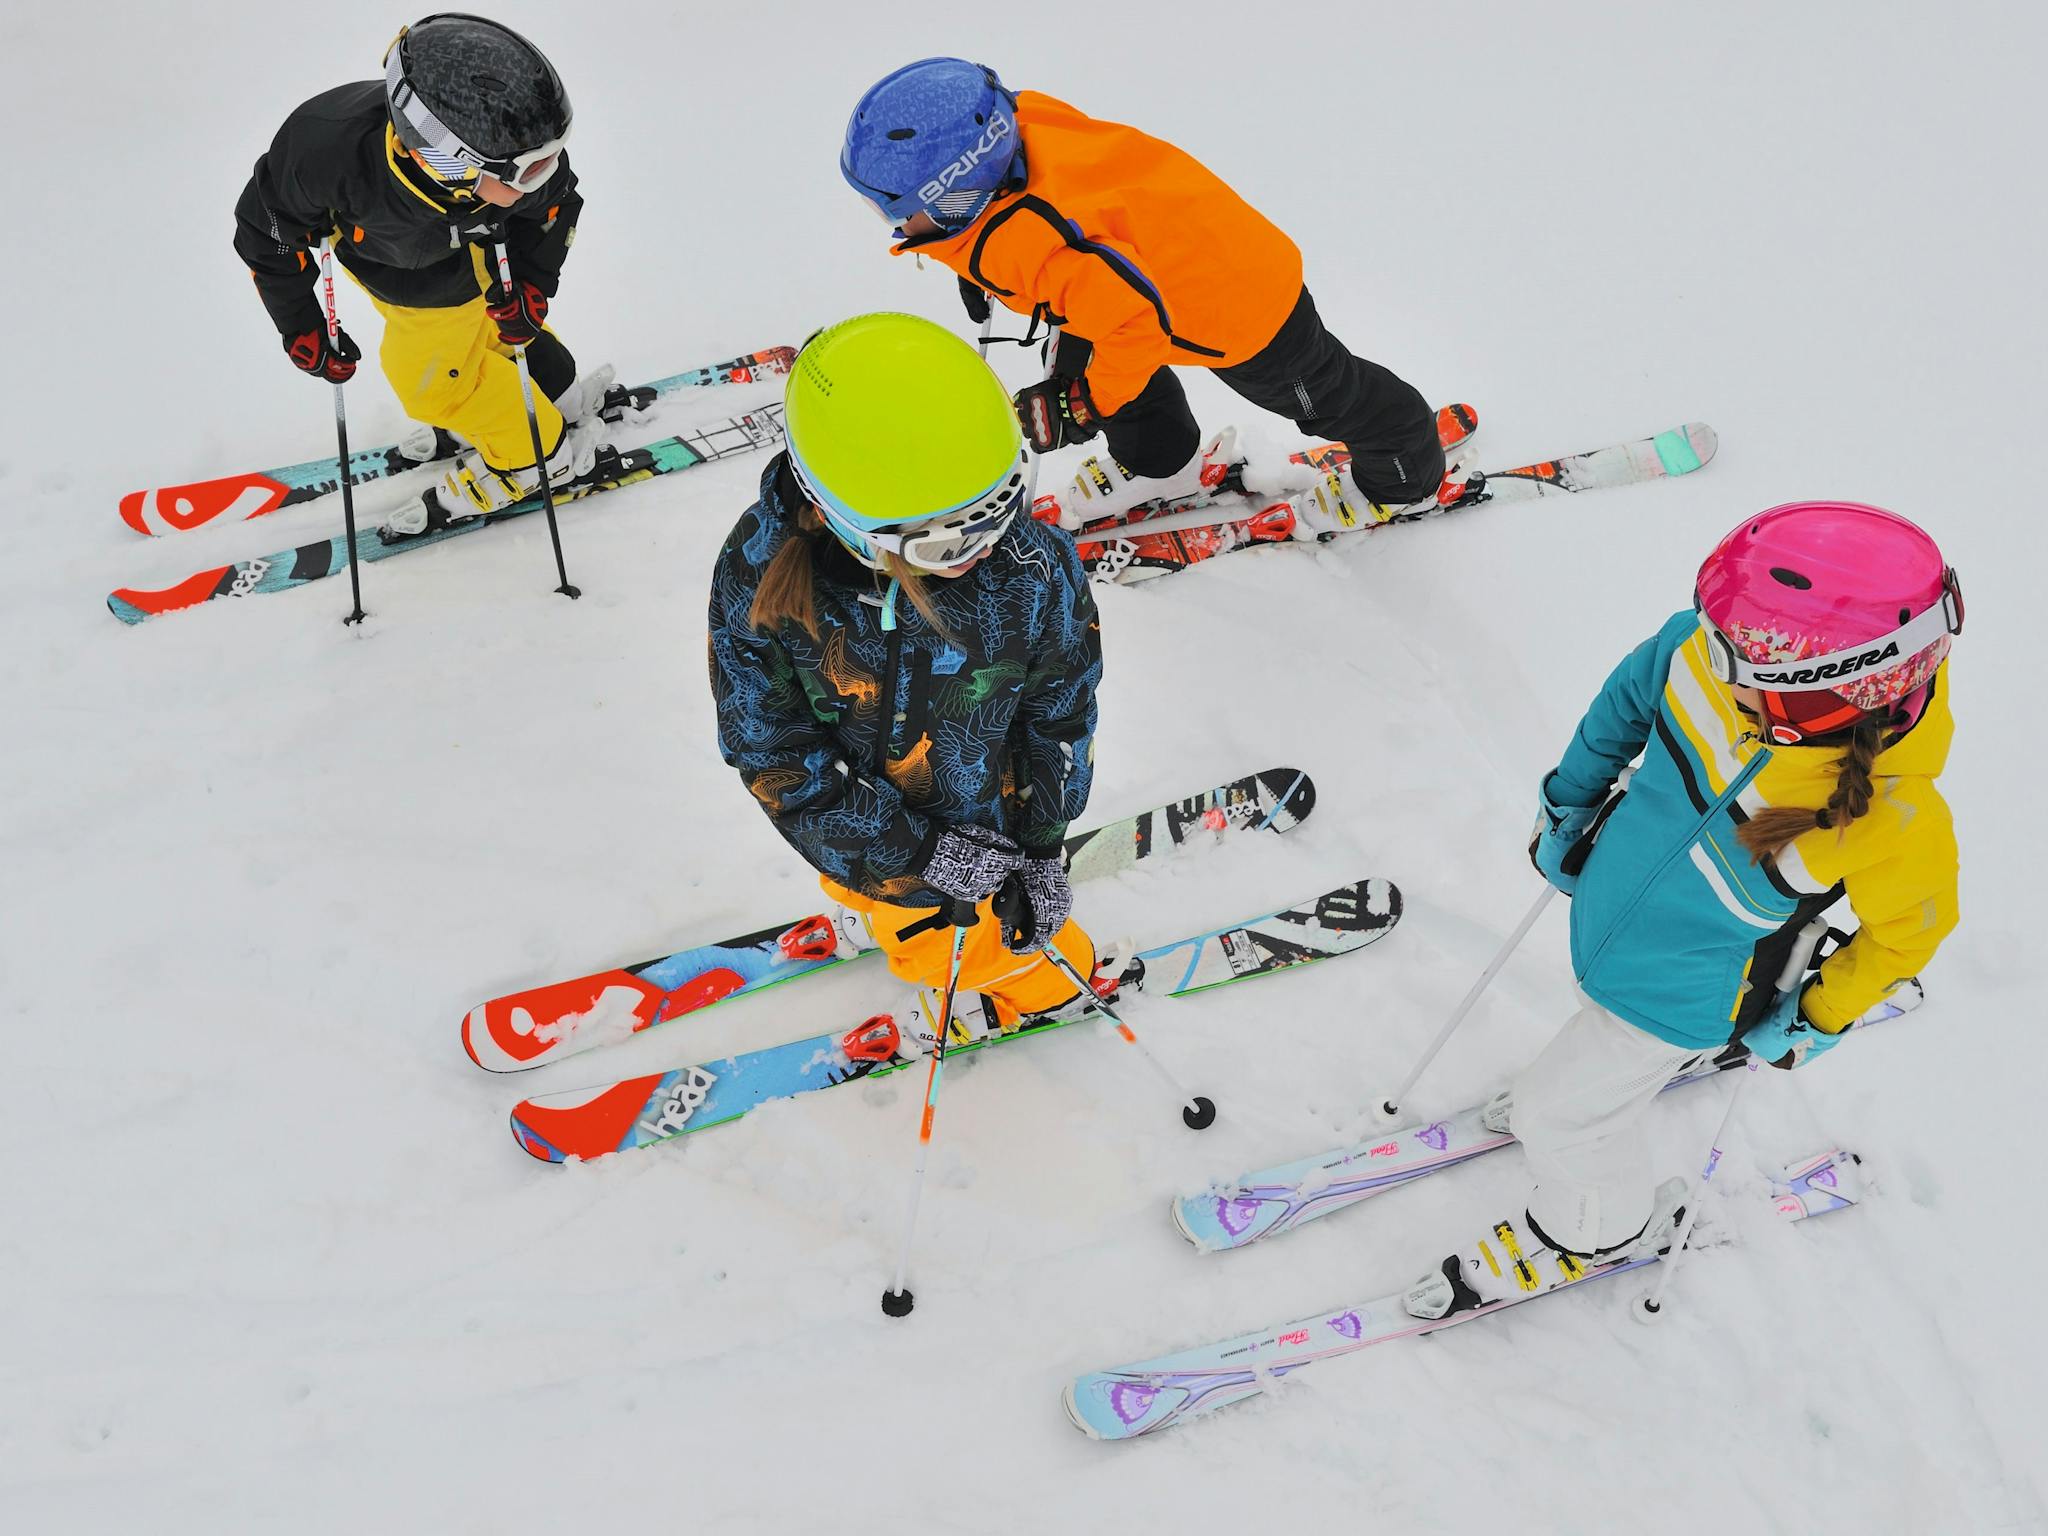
905,440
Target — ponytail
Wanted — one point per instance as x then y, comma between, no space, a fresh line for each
1765,833
788,593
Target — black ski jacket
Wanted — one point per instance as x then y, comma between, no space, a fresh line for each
334,166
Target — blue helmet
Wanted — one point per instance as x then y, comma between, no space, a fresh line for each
938,137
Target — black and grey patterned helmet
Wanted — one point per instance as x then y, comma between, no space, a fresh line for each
465,89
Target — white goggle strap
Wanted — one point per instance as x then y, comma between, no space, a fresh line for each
444,149
440,139
1809,672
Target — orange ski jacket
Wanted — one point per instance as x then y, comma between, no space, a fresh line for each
1131,244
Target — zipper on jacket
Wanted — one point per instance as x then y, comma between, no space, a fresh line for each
1740,782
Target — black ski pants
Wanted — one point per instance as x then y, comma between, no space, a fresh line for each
1306,374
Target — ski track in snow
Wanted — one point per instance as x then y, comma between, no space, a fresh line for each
270,1258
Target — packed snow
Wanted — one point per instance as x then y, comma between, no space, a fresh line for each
270,1260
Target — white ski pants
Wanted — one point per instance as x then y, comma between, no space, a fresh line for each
1578,1108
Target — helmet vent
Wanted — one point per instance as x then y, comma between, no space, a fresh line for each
902,133
1790,578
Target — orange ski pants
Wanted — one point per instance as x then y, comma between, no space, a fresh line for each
921,952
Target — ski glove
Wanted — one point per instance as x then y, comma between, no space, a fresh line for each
1034,904
971,863
1784,1038
974,298
520,313
311,352
1558,829
1058,412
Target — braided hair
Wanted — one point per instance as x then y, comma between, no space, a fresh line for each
1765,833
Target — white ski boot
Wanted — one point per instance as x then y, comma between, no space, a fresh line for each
423,444
471,488
1333,503
1499,1112
1104,488
1512,1264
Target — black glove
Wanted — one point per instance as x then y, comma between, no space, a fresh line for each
310,351
970,863
975,299
1057,412
520,313
1034,904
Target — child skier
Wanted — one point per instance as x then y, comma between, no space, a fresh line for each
459,147
1143,258
1791,725
905,669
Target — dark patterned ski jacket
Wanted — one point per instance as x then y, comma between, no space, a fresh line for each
864,748
407,238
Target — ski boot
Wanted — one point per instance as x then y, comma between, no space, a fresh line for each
1118,970
1333,504
1104,488
423,444
471,488
1513,1262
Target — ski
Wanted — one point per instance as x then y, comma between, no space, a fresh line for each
1223,491
174,508
326,557
1279,1199
1165,537
1138,1399
541,1024
622,1116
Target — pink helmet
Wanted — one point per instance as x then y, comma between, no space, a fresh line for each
1831,609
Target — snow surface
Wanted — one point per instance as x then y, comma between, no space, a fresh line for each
269,1259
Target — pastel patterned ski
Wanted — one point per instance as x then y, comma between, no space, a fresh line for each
1134,1400
1170,536
622,1116
174,508
327,557
1279,1199
541,1024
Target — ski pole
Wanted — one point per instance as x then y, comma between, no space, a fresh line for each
348,481
1390,1109
1575,857
986,326
547,489
898,1300
1197,1112
1650,1305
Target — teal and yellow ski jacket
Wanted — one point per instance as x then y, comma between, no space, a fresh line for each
1674,927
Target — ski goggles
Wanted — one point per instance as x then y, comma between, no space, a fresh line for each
1830,671
444,151
941,542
